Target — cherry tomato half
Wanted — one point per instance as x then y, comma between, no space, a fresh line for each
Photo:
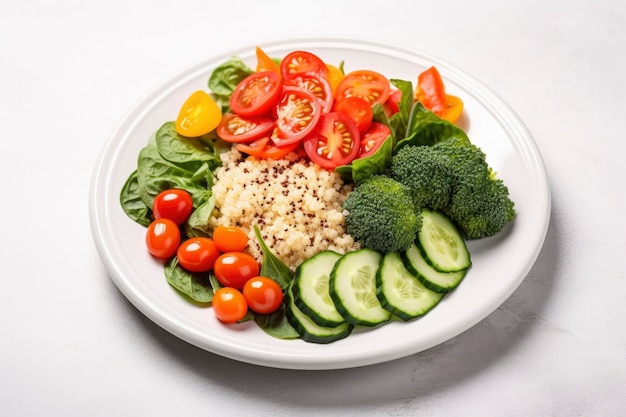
265,62
369,85
256,94
230,238
454,108
263,294
335,141
335,76
317,84
373,138
197,254
392,105
359,110
238,129
299,62
297,113
229,305
174,204
162,238
199,115
233,269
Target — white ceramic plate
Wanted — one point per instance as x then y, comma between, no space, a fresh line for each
499,263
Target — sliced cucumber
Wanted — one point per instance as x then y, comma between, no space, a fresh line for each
441,243
431,278
311,290
400,292
309,330
353,288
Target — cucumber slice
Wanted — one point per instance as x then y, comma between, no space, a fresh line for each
353,288
431,278
400,292
310,331
311,289
441,243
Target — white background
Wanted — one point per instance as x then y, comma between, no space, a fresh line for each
72,345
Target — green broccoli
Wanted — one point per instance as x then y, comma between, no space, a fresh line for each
454,178
381,215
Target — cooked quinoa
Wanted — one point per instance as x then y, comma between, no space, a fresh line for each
295,203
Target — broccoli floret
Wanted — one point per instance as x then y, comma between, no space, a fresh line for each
455,178
381,215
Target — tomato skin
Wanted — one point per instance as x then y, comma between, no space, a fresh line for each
298,62
373,138
162,238
198,115
174,204
297,113
358,110
371,86
197,254
263,294
335,142
317,84
235,128
229,305
230,238
256,94
233,269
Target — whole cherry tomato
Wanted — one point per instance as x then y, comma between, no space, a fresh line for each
263,294
162,238
197,254
229,305
174,204
233,269
230,238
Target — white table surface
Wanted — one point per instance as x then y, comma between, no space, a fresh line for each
71,343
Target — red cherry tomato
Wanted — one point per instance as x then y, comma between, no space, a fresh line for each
373,139
256,94
230,238
392,105
174,204
238,129
358,109
263,294
233,269
369,85
229,305
197,254
335,142
297,113
263,149
299,62
162,238
317,84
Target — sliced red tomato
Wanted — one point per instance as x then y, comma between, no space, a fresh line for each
238,129
334,142
299,62
317,84
371,86
256,94
297,113
358,109
430,91
373,139
392,105
262,148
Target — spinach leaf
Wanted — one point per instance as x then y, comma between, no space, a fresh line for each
276,324
184,151
197,225
272,266
426,128
362,168
131,202
196,286
225,78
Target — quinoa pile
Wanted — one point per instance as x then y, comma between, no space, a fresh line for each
295,203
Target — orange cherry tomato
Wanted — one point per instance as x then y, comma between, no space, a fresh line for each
263,294
431,93
371,86
229,305
359,110
454,108
233,269
199,115
265,62
174,204
230,238
335,76
162,238
197,254
256,94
